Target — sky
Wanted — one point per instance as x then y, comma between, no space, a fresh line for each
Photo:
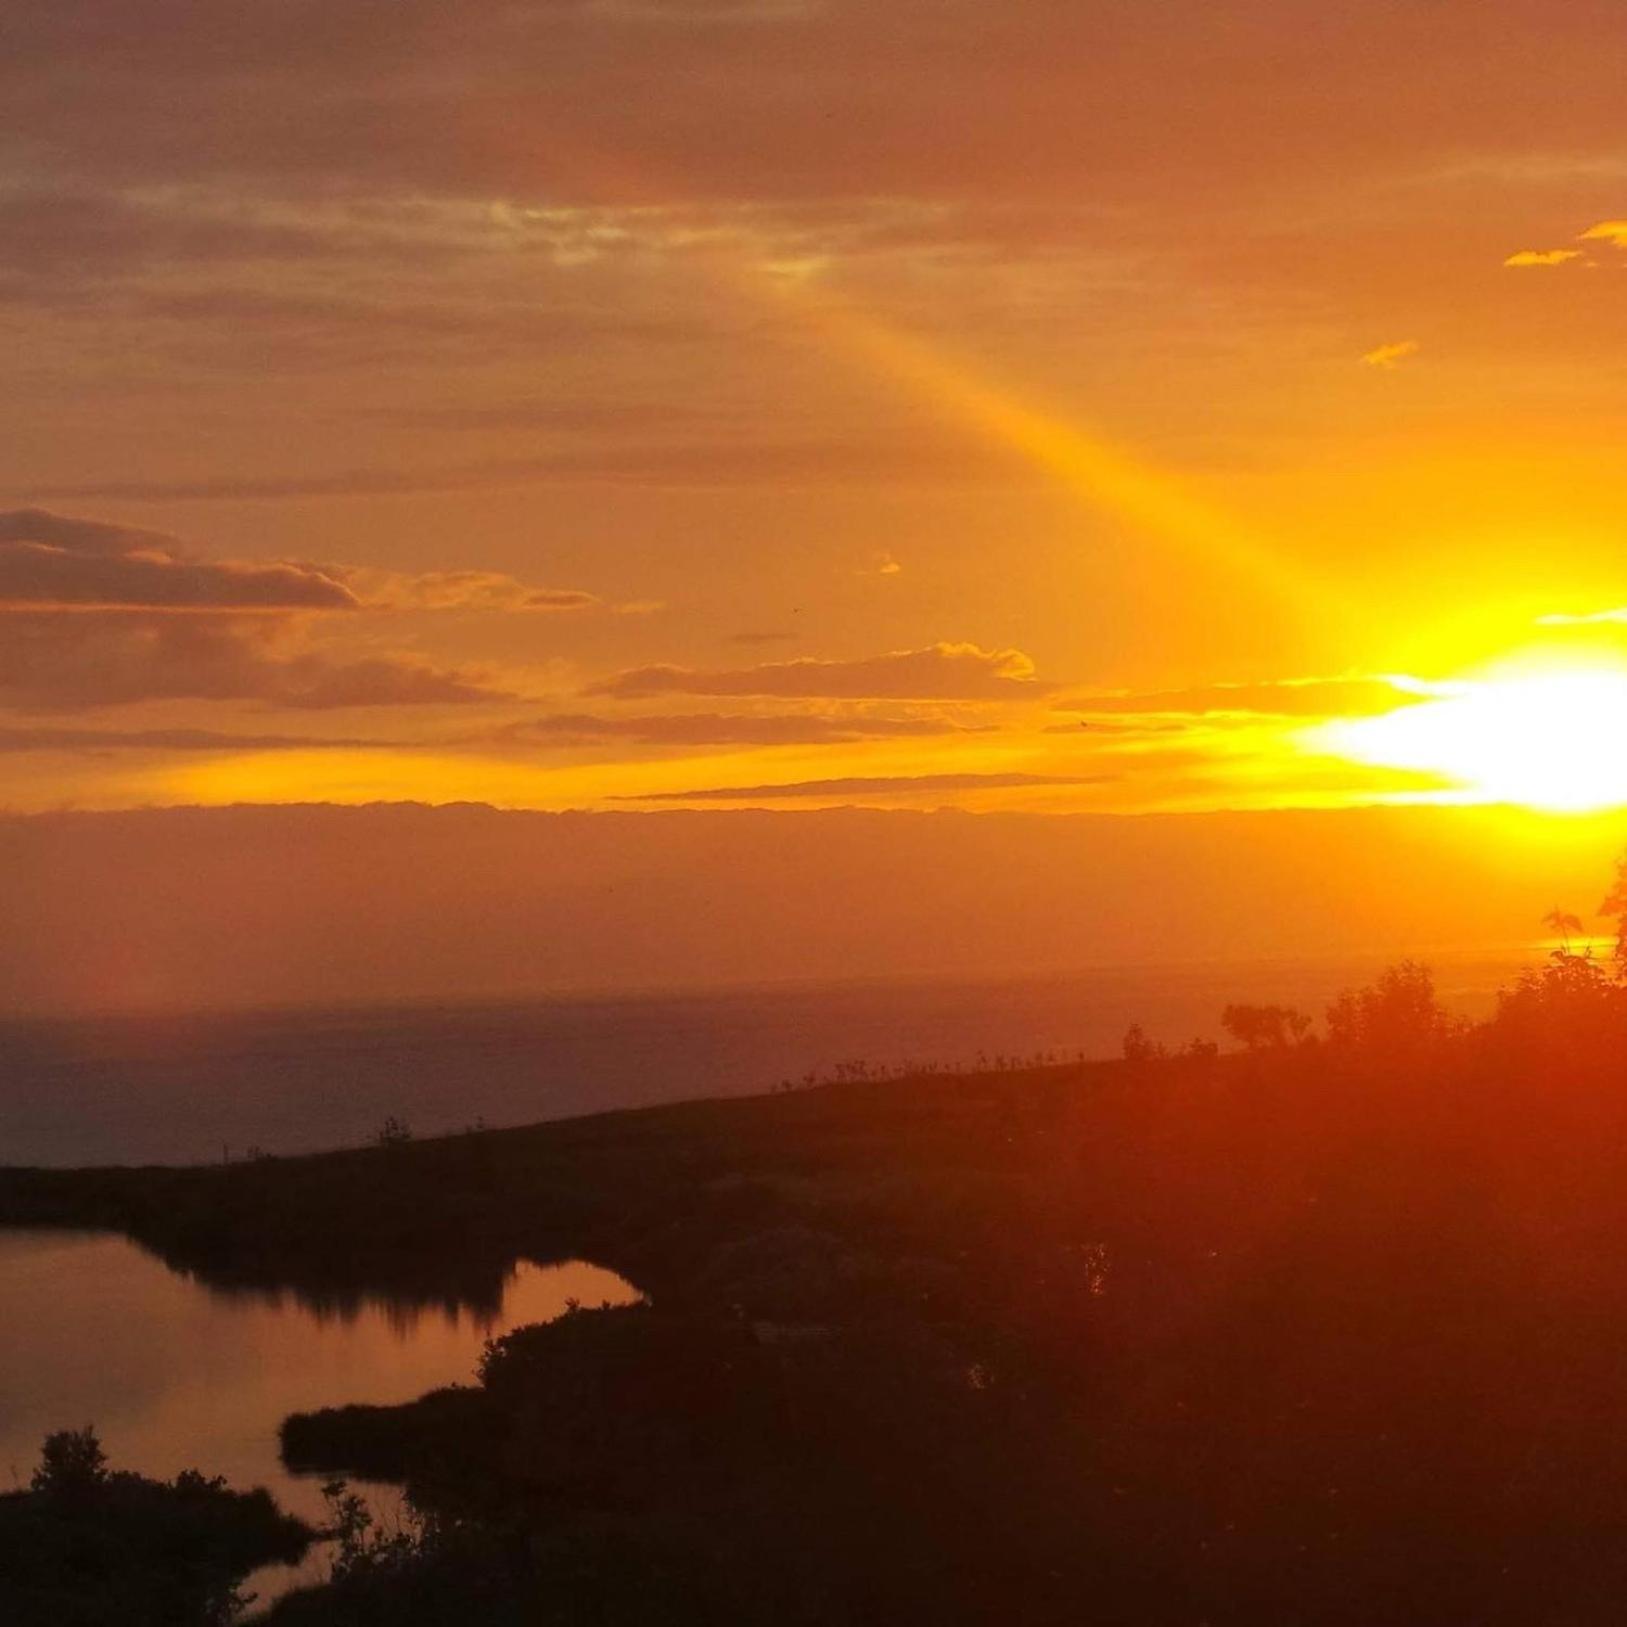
638,404
188,908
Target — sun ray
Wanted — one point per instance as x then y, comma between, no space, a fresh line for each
1099,474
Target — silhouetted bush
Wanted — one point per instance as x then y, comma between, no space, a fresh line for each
86,1547
1265,1028
1397,1017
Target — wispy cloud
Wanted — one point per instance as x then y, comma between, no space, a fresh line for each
1607,231
20,740
459,590
55,662
713,729
1391,356
872,460
53,561
882,564
57,561
1543,257
1282,697
872,785
100,614
941,671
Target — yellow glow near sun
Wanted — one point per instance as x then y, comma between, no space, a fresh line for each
1554,740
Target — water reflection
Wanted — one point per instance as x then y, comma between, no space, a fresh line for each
480,1308
175,1374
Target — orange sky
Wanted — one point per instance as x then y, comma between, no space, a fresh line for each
629,403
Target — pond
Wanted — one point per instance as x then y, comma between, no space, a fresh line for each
175,1375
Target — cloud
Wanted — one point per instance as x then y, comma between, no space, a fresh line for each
1607,231
941,671
51,561
937,458
20,740
53,661
566,417
59,239
1131,728
1543,257
318,683
1286,697
1392,355
882,564
712,729
459,590
877,785
95,613
322,326
780,100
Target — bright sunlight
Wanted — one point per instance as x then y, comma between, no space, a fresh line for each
1545,739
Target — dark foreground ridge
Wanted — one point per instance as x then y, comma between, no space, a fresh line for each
1328,1330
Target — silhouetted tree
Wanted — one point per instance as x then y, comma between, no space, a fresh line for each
393,1132
1265,1028
1567,1014
1397,1014
1138,1048
1615,904
1564,926
72,1464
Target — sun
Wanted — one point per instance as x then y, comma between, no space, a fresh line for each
1549,739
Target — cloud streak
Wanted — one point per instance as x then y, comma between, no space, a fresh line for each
96,613
24,740
62,662
1388,357
1284,697
943,671
742,462
1543,257
48,561
713,729
868,785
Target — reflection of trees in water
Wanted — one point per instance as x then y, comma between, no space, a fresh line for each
469,1297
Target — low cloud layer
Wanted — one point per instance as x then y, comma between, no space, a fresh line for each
868,785
67,661
941,671
23,740
1286,697
54,561
96,613
741,462
50,561
713,729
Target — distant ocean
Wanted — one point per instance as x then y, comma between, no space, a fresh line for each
207,1086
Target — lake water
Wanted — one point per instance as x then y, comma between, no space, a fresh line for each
185,1089
174,1375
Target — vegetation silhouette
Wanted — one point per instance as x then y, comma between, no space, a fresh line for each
86,1546
1324,1329
1265,1028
